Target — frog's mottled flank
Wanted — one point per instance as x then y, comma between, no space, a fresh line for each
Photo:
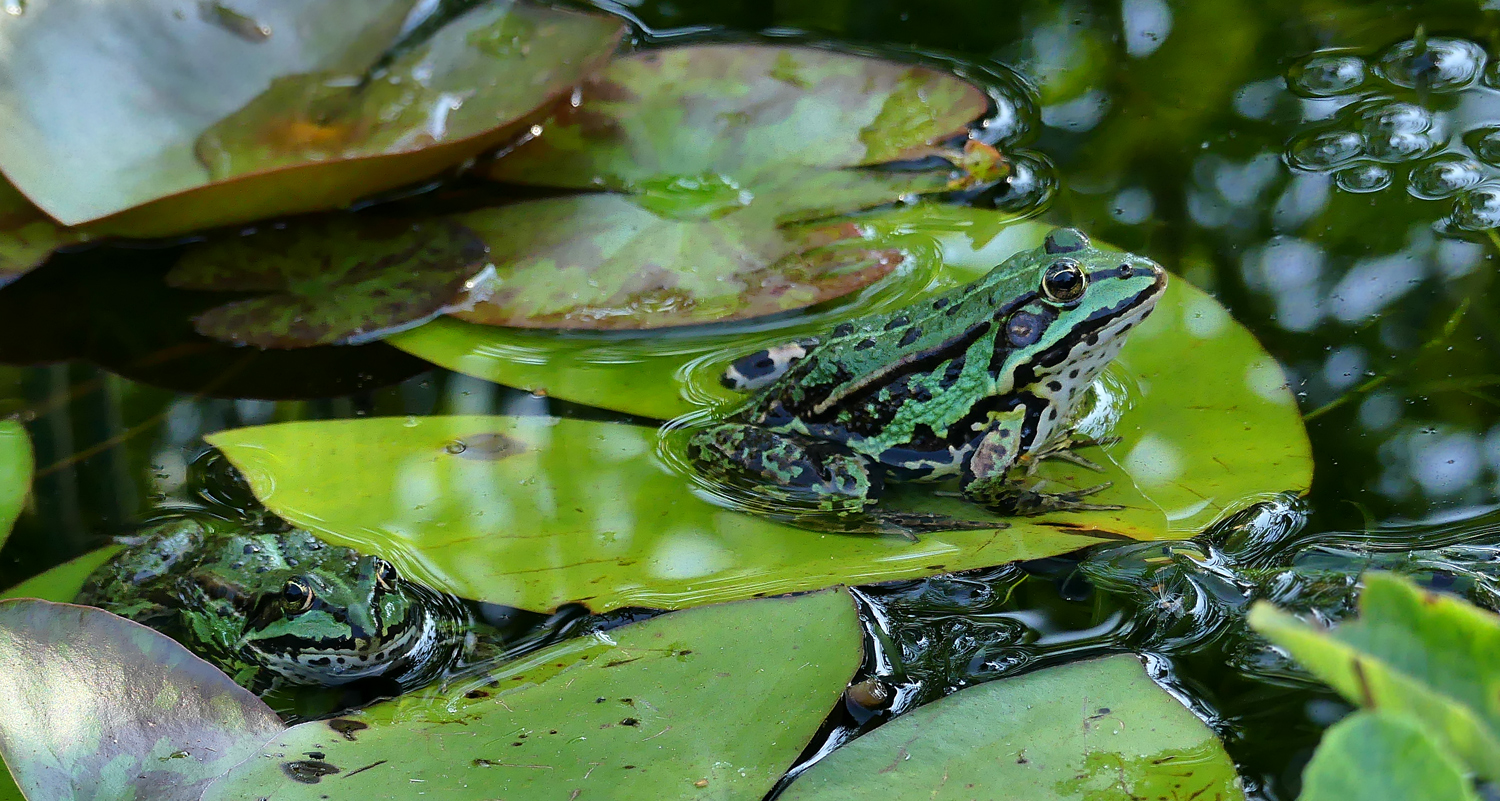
970,384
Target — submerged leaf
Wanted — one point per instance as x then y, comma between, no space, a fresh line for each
1088,731
1196,448
712,703
1383,756
578,511
716,157
356,280
162,121
93,706
16,465
27,236
1427,656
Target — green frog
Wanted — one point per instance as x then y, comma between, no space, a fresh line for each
980,384
272,606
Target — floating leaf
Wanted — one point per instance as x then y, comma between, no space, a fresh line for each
62,582
534,512
1196,448
1427,656
714,154
712,703
93,706
1382,756
1088,731
355,281
27,236
16,464
136,106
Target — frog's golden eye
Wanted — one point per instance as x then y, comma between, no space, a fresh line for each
1064,282
296,596
385,574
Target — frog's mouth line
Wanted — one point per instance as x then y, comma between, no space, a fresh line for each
337,660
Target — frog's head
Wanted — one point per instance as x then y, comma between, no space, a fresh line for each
336,619
1074,305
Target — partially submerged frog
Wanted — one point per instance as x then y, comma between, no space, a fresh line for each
273,606
974,384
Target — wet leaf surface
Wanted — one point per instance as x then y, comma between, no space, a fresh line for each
1195,448
16,465
715,702
1382,756
61,583
590,512
1427,656
714,156
1089,731
353,280
96,706
162,121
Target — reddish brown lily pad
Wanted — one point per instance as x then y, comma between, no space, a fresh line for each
724,165
338,280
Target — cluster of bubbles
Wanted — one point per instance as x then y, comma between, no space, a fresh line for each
1387,126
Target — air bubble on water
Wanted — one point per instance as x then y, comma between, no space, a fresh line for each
1363,178
1477,209
1485,142
1326,75
1441,65
1395,148
1443,177
1386,116
1323,151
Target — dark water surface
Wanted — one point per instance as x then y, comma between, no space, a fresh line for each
1341,207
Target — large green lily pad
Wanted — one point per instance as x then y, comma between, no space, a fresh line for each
62,582
714,156
1429,657
16,465
535,512
137,106
27,236
710,703
93,706
1088,731
1196,448
1383,756
355,280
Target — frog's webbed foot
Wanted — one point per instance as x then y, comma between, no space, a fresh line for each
1013,499
1065,450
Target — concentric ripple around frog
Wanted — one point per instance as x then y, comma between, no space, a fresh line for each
980,383
279,607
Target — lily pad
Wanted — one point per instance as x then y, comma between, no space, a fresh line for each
711,703
1429,657
61,583
27,236
137,106
356,280
715,156
16,464
95,706
535,512
1383,756
1089,730
1198,449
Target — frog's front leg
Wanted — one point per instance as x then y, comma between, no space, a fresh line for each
987,481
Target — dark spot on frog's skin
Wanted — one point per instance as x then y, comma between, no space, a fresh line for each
864,344
630,722
490,447
1023,329
321,661
1055,386
251,547
1091,340
1073,373
939,303
911,336
308,771
897,322
347,727
843,329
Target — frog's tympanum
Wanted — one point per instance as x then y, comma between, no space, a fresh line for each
980,384
279,607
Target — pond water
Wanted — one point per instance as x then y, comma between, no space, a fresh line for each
1328,171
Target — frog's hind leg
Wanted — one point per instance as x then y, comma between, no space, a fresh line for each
987,481
749,373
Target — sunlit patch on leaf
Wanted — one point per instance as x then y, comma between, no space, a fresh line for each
339,280
719,158
715,703
1090,730
95,706
153,121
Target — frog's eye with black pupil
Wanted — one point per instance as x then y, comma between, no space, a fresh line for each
296,596
385,575
1064,281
